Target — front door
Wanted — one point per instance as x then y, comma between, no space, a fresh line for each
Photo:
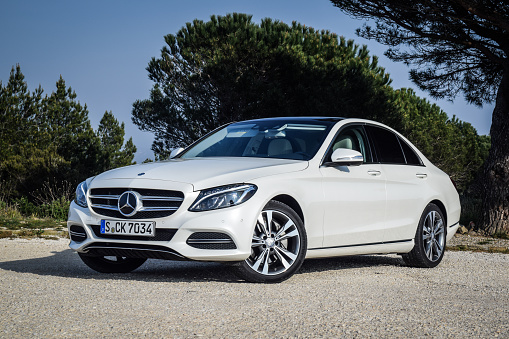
354,196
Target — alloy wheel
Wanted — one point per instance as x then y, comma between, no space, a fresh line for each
276,243
433,236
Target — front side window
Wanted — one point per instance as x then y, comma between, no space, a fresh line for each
354,138
268,138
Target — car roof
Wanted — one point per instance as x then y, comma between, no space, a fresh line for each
300,119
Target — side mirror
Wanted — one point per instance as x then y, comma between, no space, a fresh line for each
175,152
347,157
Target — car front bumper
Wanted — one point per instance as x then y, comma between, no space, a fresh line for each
210,230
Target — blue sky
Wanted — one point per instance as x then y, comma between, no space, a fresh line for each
101,48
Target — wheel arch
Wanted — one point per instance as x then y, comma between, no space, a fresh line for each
442,208
292,203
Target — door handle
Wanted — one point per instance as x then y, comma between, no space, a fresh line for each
374,173
421,175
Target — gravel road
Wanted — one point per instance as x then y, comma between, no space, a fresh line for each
45,291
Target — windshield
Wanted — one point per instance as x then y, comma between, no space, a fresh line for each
268,138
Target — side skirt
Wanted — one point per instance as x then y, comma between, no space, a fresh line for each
401,246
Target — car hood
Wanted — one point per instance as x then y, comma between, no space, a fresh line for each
205,172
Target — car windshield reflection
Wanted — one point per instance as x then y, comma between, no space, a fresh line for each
283,139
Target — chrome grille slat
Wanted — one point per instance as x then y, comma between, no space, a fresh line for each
104,196
155,203
159,209
106,207
144,197
77,233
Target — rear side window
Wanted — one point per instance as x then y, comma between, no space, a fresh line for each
411,157
387,146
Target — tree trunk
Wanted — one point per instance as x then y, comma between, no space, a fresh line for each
496,169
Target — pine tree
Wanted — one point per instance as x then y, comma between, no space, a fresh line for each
111,134
49,142
22,159
68,128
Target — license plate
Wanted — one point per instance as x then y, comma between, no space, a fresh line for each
142,228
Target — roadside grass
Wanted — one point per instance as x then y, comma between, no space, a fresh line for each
468,248
31,223
22,219
32,227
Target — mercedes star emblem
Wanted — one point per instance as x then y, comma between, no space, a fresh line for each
128,203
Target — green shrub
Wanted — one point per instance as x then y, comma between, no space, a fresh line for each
57,209
8,211
471,209
22,207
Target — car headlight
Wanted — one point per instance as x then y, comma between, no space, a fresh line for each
222,197
81,194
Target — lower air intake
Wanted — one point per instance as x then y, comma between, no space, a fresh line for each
77,233
211,241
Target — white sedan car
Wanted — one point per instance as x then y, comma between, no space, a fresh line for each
266,194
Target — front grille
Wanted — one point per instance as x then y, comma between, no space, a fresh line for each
154,203
77,233
162,234
132,251
211,241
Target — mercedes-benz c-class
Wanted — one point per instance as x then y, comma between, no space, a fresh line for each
263,195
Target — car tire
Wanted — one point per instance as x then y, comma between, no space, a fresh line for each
113,265
430,239
278,246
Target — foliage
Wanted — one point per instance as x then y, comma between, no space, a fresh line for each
21,160
56,209
111,135
67,128
470,211
457,46
47,144
8,211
